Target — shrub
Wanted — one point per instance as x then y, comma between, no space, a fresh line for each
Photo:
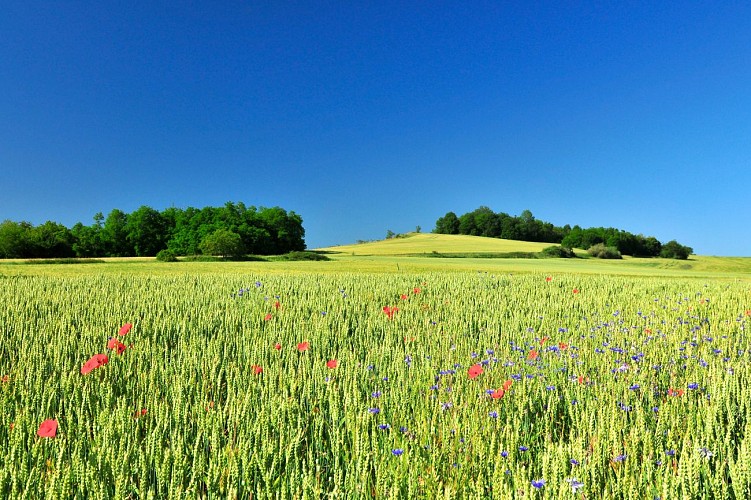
558,251
302,255
166,255
602,252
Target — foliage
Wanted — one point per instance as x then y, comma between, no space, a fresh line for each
600,251
166,255
299,256
146,232
223,243
674,250
558,251
428,385
484,222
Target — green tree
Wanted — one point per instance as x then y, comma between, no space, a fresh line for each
223,243
147,232
448,224
115,234
14,239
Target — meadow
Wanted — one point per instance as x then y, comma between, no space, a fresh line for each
386,377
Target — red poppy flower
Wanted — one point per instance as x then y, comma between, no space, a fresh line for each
5,379
648,331
303,346
120,348
533,354
576,290
474,371
48,428
748,312
404,296
112,343
673,392
125,329
416,290
332,363
257,370
562,346
549,278
267,317
497,394
278,346
95,361
277,305
543,340
507,384
140,413
390,311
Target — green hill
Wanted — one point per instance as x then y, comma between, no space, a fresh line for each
445,244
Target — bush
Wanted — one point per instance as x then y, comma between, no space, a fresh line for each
602,252
166,255
559,252
303,255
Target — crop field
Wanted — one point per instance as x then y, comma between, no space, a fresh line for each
469,384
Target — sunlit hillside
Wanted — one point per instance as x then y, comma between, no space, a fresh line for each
426,243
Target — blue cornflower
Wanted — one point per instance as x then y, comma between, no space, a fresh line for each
575,484
523,448
374,411
620,458
634,387
376,394
504,453
397,451
670,453
493,414
693,385
384,427
539,483
574,461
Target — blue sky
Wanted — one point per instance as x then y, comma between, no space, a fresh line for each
368,116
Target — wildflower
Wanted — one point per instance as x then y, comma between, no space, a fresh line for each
497,394
670,453
267,317
278,346
48,428
112,343
634,387
705,453
539,483
257,369
376,394
303,346
493,414
575,290
674,392
504,454
507,384
5,379
404,296
416,290
532,355
523,448
693,386
384,427
397,452
277,305
332,363
543,340
575,484
474,371
140,413
548,279
620,458
125,329
94,362
574,461
374,411
389,311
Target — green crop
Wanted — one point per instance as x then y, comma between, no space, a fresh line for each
630,387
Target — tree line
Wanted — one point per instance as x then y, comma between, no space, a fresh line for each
484,222
146,232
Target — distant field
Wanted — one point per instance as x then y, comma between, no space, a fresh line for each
441,243
416,253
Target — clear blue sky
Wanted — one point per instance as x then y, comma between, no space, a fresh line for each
368,116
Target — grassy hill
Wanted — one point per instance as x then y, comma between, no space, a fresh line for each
428,243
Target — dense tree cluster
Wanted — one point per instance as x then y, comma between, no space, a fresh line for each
484,222
146,232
